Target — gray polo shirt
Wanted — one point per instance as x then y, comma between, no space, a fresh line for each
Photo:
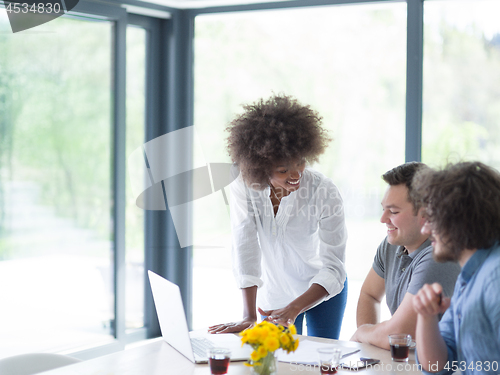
408,273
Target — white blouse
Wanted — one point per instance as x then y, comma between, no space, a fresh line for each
284,255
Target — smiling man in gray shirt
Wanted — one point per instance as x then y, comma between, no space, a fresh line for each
402,265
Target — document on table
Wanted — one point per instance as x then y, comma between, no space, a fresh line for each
306,352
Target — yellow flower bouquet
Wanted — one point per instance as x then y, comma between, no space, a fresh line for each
265,338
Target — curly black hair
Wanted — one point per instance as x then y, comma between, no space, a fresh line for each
274,130
463,204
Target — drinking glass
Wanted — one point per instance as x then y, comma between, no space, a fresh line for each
218,359
400,347
329,358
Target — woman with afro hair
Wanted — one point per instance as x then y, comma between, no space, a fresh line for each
288,226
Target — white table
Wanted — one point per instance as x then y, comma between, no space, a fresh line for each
158,358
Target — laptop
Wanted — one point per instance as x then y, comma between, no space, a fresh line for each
174,328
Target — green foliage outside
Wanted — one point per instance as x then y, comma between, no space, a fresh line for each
461,116
55,126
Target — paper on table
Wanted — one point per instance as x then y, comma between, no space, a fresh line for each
305,353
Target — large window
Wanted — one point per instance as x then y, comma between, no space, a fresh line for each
461,111
348,63
62,134
56,237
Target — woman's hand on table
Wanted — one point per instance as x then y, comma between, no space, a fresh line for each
233,327
284,316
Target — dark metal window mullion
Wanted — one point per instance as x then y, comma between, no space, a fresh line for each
414,79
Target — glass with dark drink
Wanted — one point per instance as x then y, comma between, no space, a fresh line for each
400,353
329,358
328,369
218,358
400,347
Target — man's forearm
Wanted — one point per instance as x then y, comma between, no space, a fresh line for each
373,334
368,310
376,334
431,348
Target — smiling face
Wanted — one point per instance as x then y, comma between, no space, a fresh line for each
285,176
403,226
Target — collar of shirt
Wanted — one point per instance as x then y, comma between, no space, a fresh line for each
402,251
475,261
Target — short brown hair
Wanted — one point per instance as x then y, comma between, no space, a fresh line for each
274,130
403,174
463,204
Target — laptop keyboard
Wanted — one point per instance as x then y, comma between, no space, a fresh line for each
200,346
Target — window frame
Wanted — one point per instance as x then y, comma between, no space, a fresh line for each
170,106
